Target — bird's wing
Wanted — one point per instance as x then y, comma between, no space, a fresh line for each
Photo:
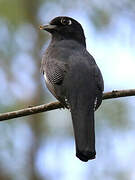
100,87
99,79
54,72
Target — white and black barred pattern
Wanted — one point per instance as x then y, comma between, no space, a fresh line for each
55,72
95,104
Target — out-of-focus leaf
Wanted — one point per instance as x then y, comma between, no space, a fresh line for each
100,18
13,11
115,114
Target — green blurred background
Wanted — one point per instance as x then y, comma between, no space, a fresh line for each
41,147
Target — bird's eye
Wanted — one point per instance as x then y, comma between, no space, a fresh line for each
66,21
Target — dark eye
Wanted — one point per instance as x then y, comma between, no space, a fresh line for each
66,21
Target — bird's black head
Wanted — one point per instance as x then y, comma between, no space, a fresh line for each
63,27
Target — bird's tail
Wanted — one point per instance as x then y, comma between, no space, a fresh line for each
84,132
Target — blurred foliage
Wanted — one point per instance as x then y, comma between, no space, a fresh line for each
21,43
115,116
12,11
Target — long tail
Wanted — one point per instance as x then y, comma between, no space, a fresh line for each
84,131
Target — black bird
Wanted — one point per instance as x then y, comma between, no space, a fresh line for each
73,77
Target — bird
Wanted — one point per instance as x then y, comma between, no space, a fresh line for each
73,77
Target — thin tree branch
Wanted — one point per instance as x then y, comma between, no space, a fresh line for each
57,105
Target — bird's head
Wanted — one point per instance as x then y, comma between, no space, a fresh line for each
65,28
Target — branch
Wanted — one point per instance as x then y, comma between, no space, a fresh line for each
56,105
